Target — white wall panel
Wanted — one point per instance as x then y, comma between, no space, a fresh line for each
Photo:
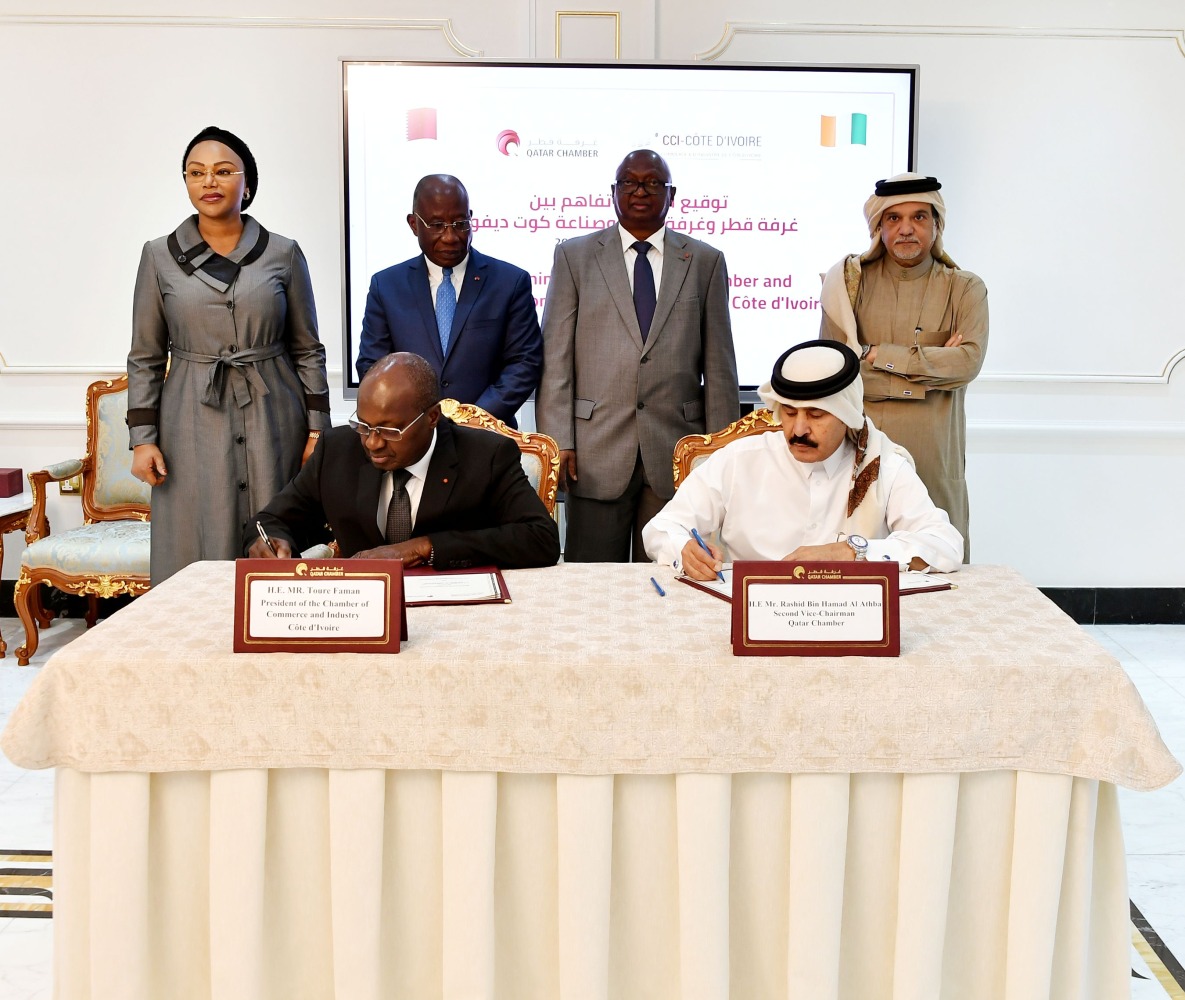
1054,127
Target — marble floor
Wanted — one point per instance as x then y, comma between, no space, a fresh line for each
1154,822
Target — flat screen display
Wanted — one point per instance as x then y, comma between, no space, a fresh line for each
771,164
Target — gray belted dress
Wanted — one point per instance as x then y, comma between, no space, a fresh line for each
245,386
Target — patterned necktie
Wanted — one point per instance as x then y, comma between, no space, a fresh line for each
399,509
644,297
446,308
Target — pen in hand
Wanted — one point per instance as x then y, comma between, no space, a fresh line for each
263,534
704,545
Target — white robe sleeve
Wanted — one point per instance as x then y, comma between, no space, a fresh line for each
698,503
916,526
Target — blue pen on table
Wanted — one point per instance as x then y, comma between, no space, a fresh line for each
704,545
661,592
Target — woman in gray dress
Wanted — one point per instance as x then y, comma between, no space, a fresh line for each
228,307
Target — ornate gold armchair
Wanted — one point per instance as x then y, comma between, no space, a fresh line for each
108,555
694,448
540,453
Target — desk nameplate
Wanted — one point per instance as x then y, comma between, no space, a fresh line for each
816,609
327,605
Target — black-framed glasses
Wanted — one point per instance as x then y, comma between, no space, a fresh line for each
651,185
460,227
364,429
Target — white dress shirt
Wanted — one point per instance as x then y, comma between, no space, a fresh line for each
627,247
414,487
765,504
436,276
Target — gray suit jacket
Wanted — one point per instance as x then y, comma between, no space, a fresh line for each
606,394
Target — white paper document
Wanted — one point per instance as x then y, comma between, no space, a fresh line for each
724,588
908,581
451,588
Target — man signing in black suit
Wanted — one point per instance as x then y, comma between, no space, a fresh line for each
403,482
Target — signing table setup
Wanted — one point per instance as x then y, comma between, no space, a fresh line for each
583,793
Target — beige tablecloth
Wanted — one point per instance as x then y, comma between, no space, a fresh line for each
521,804
304,884
589,671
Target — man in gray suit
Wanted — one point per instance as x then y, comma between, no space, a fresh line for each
637,352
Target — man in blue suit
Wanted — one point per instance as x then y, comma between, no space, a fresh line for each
472,317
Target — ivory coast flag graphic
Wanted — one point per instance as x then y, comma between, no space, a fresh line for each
858,134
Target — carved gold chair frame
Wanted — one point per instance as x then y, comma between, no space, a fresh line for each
542,447
692,449
27,597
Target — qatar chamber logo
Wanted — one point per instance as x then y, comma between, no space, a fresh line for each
507,139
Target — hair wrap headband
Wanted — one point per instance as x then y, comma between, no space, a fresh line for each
816,388
914,185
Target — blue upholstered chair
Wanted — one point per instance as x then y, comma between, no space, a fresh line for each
108,555
540,455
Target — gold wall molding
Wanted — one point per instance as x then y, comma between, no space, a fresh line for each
977,429
1163,377
734,29
334,373
106,371
443,25
559,28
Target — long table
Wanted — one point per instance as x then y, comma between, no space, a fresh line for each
583,794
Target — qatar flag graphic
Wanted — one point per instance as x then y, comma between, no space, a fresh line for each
421,123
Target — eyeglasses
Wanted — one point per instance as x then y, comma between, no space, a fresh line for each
651,185
460,227
386,433
194,174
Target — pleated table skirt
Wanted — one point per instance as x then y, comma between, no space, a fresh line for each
359,885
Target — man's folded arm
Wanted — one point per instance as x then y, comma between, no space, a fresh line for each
923,367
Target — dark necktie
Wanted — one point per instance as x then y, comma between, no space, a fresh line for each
644,297
399,510
446,308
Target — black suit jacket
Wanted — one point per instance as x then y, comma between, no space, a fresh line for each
477,506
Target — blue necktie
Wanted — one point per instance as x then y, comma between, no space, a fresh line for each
446,308
644,297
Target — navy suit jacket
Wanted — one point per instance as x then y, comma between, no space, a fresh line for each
495,352
477,506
